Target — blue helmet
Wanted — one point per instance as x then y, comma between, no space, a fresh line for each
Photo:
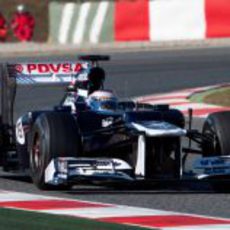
102,100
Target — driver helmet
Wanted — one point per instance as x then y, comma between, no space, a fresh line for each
90,81
102,100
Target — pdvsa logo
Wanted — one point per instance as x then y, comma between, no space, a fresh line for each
18,68
49,68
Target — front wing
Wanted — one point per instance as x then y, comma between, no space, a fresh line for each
68,170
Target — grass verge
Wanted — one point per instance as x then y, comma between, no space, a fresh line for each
20,220
216,97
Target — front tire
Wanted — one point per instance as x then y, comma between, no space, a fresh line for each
216,129
54,134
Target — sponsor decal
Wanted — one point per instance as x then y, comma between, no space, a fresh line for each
212,162
20,134
19,68
107,122
50,68
82,76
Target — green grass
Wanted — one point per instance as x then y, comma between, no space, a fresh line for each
22,220
216,97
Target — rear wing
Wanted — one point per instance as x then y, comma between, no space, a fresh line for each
53,72
36,73
47,73
94,59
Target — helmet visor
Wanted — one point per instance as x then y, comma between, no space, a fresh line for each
108,105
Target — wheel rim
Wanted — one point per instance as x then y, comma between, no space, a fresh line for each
36,154
213,145
216,145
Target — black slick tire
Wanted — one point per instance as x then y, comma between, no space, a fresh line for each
217,130
54,134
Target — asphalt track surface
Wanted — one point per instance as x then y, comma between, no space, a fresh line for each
135,74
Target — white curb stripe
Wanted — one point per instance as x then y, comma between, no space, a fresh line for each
196,106
108,212
98,21
67,15
81,23
203,227
6,196
166,95
168,101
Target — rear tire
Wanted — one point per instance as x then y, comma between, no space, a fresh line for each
53,135
217,129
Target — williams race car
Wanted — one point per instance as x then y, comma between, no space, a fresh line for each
92,136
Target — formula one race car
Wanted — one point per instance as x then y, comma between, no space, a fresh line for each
92,136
